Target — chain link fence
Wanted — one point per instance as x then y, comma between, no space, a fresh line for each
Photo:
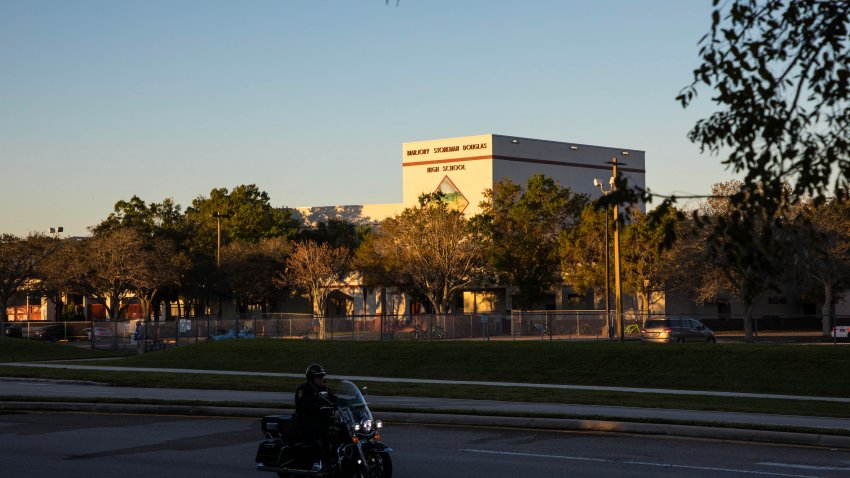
519,325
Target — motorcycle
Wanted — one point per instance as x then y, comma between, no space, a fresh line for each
354,441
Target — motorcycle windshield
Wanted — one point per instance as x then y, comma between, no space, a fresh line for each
352,400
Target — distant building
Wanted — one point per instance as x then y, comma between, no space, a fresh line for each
462,168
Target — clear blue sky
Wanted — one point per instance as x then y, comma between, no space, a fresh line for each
311,100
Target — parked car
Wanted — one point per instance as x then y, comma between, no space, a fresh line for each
14,331
841,331
99,333
676,330
50,333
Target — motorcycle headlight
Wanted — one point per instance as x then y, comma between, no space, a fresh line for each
357,427
379,424
366,425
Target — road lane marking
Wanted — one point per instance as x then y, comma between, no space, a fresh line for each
806,467
643,463
710,468
534,455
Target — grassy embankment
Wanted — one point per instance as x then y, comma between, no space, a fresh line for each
775,369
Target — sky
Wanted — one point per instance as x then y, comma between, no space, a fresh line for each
311,100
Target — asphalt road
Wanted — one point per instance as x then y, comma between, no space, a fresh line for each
90,446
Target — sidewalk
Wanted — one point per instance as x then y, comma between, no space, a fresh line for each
363,378
722,425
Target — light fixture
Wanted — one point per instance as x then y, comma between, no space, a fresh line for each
573,147
625,153
515,141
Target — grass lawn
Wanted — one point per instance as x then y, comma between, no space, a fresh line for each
19,350
785,369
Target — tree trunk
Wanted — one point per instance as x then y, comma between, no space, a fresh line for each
748,323
3,317
828,310
318,303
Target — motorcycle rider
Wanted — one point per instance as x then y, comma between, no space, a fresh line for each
313,410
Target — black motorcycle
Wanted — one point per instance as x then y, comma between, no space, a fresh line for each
354,440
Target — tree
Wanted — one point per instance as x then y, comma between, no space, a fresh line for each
428,251
20,260
251,217
647,263
780,69
823,251
162,271
522,228
582,251
746,264
782,81
251,270
109,268
163,228
314,268
163,219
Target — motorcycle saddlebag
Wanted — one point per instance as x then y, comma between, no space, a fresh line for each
268,452
277,423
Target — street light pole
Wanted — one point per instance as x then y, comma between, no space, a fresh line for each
54,231
605,192
218,216
618,290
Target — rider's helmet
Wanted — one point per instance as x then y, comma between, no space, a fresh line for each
315,370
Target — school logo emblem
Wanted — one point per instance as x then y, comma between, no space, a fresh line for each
453,197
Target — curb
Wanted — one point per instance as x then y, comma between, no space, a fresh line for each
562,424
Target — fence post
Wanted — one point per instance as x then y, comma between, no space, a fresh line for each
578,326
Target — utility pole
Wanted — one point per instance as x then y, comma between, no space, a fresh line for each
218,216
618,290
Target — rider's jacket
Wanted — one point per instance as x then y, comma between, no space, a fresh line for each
312,412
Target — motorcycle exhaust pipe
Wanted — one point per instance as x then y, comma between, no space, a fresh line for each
291,471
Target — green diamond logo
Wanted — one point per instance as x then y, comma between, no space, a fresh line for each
453,197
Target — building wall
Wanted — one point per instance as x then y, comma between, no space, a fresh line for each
573,165
356,214
465,162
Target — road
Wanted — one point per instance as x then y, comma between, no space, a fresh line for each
91,446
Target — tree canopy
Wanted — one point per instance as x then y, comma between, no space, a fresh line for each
315,268
250,216
20,263
428,251
522,226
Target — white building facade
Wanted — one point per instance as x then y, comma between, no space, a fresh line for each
463,168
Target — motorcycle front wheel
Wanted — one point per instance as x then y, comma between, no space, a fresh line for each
380,466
